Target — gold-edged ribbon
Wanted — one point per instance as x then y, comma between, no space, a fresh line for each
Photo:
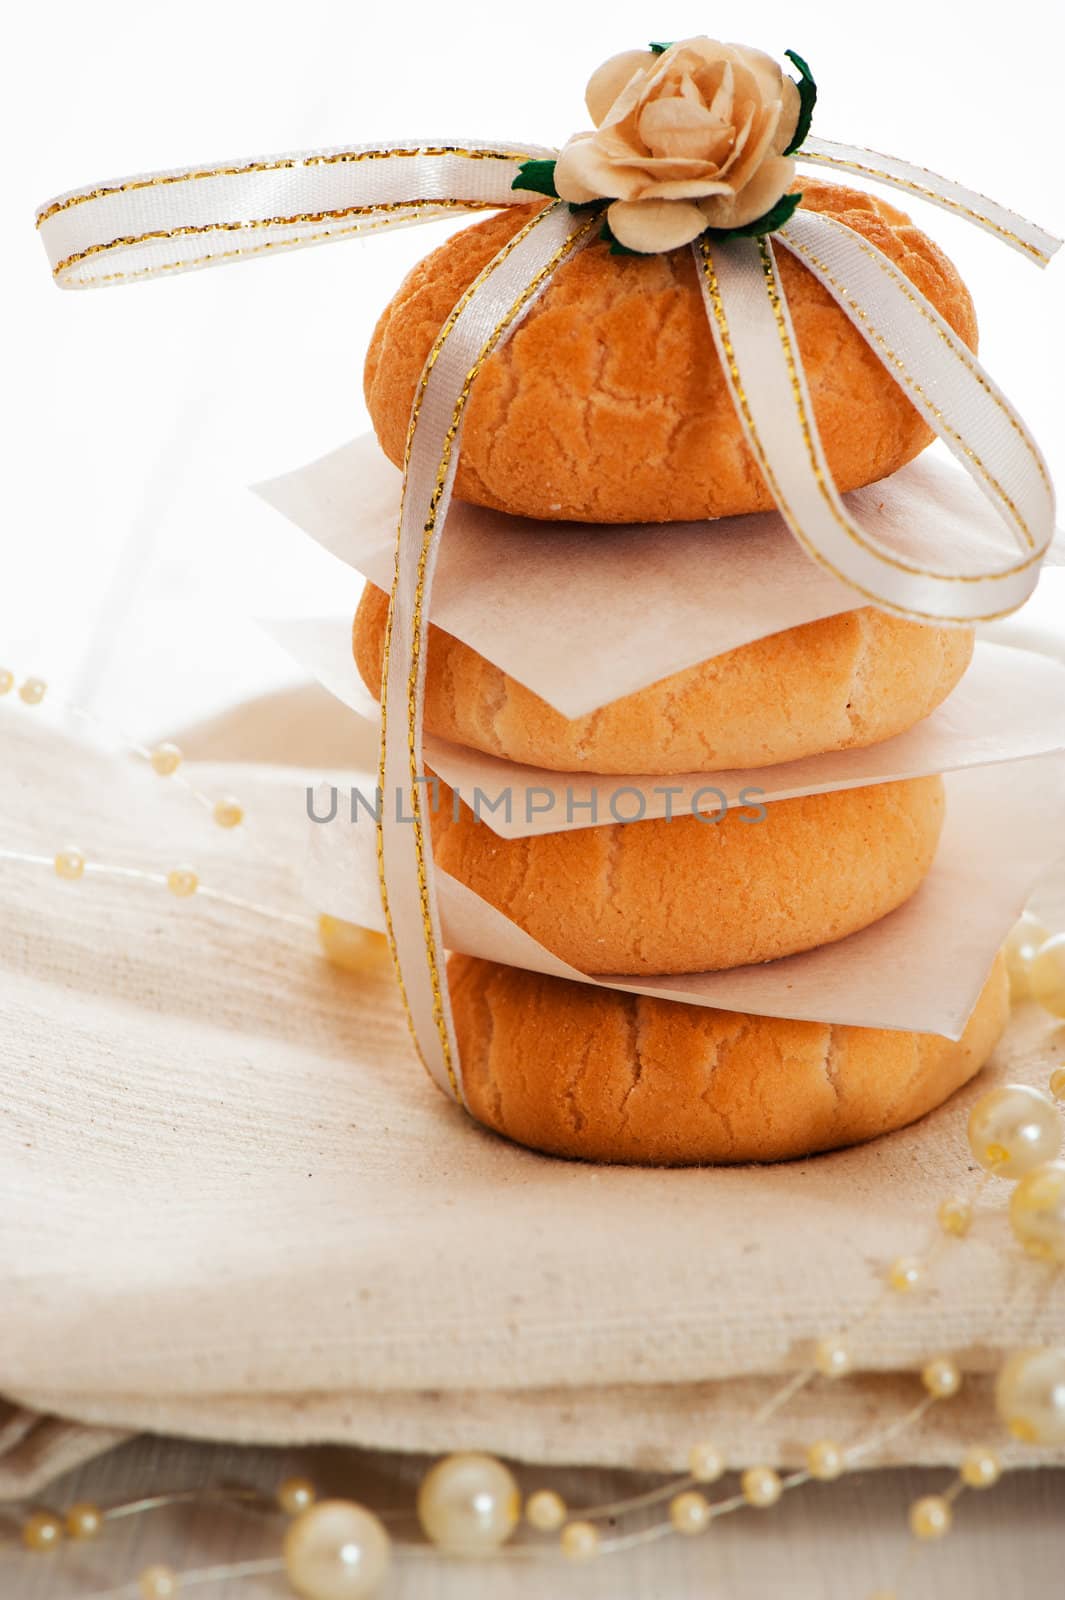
755,339
160,223
203,216
1009,227
487,314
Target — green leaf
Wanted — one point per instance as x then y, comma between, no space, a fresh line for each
807,101
769,222
537,176
606,233
659,49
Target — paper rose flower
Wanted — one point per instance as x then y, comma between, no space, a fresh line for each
697,135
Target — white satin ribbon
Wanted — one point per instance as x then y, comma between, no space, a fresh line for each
485,317
939,373
201,216
756,342
191,217
1016,231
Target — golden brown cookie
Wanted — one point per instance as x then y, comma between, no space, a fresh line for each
577,1071
609,403
840,683
691,895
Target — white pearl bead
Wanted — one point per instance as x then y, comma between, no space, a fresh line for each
1030,1395
761,1487
930,1517
941,1378
228,812
182,882
336,1550
42,1531
84,1520
824,1459
158,1583
165,759
1027,934
1037,1212
296,1495
1013,1129
545,1510
905,1274
468,1504
69,864
1046,975
579,1541
690,1512
33,691
832,1358
705,1462
980,1468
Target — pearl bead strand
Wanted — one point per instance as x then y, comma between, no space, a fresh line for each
1015,1133
165,758
183,882
357,950
337,1550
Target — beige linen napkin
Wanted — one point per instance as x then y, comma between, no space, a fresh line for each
232,1205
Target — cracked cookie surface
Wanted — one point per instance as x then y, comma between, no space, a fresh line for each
609,403
840,683
572,1070
688,894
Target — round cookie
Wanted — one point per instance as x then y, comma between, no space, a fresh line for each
688,894
577,1071
840,683
609,403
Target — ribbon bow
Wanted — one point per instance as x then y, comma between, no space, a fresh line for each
176,221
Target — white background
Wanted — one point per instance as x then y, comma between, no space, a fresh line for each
133,555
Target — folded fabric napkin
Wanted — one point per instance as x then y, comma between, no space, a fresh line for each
232,1205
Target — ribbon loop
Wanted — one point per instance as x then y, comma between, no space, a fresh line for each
938,373
194,217
1008,226
756,343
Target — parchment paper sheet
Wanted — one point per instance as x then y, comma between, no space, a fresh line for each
920,968
583,614
1009,706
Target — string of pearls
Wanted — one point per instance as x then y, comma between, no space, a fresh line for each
345,945
469,1506
469,1503
165,759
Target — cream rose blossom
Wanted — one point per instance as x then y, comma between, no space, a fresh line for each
688,139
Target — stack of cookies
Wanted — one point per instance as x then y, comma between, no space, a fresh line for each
609,406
